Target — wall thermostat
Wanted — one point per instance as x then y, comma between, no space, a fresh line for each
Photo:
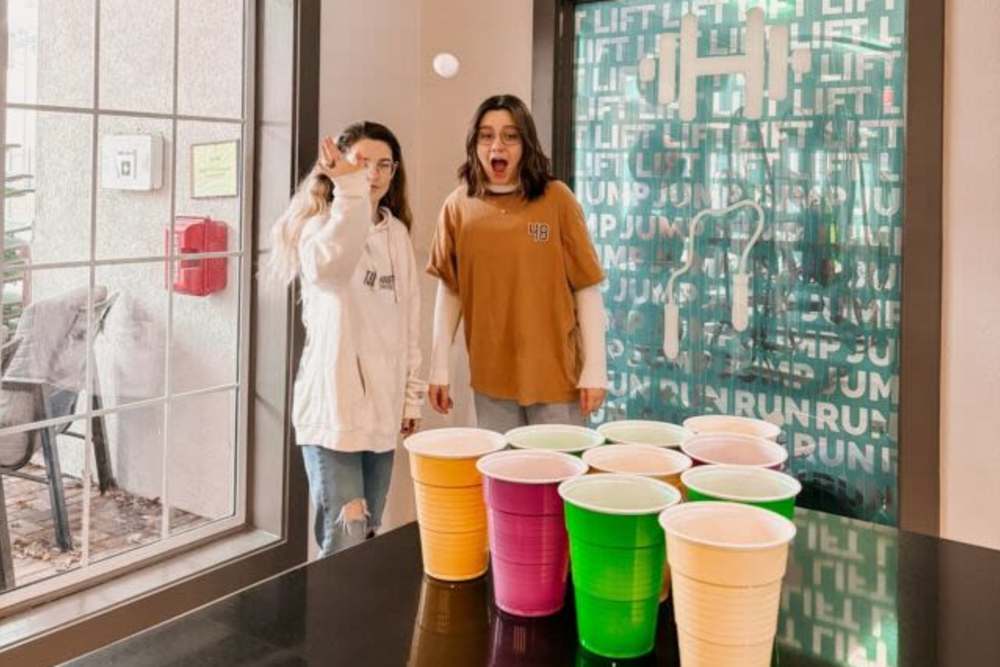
131,162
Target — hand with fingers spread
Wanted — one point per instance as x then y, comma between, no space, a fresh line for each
333,164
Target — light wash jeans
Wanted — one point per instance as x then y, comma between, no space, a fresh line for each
502,415
348,490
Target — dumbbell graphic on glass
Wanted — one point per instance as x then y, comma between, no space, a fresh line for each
751,65
741,279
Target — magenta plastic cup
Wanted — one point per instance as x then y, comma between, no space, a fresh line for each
527,531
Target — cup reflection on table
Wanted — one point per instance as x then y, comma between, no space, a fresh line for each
585,658
517,641
452,626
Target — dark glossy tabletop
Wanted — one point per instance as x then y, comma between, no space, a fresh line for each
855,594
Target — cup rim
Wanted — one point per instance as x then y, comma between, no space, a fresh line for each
769,427
695,440
419,442
683,433
594,437
683,462
566,488
482,465
689,478
786,527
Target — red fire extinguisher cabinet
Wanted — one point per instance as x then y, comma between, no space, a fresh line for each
194,235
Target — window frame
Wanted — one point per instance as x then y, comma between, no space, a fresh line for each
268,533
32,593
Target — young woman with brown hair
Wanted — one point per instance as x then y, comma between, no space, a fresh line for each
514,260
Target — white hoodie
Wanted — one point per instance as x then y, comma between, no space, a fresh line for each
358,377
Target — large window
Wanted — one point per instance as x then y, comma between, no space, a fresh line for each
125,284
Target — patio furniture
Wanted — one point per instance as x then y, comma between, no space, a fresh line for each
43,369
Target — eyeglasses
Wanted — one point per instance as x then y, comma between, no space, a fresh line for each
509,136
382,167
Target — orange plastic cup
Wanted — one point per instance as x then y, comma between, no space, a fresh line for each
449,500
455,556
450,509
447,456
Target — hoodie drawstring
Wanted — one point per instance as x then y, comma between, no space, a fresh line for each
392,261
390,251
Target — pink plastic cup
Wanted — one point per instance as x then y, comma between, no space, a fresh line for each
525,497
530,589
523,538
735,450
528,542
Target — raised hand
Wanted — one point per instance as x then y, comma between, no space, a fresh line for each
334,164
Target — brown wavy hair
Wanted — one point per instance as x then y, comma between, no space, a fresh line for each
535,168
395,198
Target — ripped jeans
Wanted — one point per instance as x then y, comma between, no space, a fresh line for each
348,490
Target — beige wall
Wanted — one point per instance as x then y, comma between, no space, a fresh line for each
970,402
376,65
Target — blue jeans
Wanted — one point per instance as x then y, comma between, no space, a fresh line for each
348,490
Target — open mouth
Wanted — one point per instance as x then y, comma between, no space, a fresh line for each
499,167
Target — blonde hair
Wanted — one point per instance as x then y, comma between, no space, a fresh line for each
311,198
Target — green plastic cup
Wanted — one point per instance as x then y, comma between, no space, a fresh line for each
761,487
615,629
617,551
613,573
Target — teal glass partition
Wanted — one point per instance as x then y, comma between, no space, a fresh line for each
783,122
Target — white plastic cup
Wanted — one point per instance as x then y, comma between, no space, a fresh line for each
732,424
727,561
734,450
644,432
700,653
554,438
659,463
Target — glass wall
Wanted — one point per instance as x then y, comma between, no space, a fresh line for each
782,121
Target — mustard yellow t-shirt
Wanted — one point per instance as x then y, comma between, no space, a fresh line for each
515,265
